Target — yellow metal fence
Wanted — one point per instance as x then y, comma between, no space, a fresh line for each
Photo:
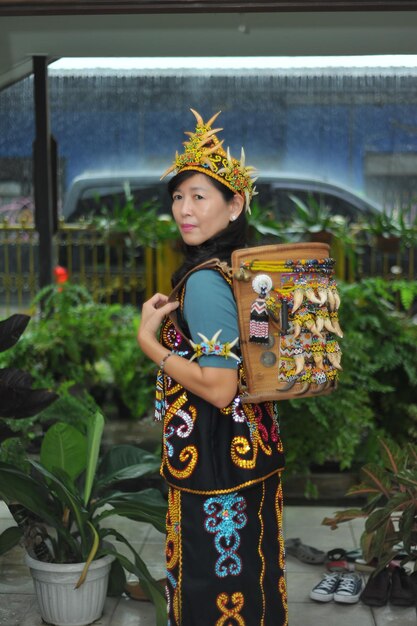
18,266
109,265
113,269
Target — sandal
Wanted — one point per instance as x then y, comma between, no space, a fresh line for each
305,554
353,555
135,592
337,561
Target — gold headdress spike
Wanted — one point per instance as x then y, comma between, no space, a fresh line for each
204,153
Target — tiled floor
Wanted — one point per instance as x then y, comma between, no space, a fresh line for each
18,604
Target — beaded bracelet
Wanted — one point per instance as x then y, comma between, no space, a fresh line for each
162,363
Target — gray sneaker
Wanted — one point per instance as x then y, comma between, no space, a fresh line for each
324,590
348,589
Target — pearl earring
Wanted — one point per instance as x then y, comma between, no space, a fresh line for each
232,219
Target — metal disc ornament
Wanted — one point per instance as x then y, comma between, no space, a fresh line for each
268,358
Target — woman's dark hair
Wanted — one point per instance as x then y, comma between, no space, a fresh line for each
220,246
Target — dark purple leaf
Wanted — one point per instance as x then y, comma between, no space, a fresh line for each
11,329
19,400
11,377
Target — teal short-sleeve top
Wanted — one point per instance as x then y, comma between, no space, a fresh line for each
209,306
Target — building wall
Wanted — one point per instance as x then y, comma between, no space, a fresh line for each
329,124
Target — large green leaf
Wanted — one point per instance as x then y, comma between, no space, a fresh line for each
377,519
376,477
65,448
129,473
117,579
373,503
407,523
95,426
67,498
122,456
392,455
10,538
144,506
383,539
342,516
362,489
148,583
408,478
398,502
16,486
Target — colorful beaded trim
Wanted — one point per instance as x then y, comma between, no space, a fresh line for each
322,266
212,346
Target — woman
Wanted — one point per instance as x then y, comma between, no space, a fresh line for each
222,459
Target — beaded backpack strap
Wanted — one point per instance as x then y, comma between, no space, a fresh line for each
206,265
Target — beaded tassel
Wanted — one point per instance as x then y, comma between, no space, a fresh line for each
259,322
259,317
159,398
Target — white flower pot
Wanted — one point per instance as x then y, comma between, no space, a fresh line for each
59,602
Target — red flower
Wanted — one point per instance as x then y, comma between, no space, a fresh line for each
61,274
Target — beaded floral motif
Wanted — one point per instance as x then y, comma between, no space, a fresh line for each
240,447
188,455
230,606
225,517
238,414
261,427
171,337
213,346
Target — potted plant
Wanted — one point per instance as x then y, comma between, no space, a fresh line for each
263,227
127,226
61,504
390,512
392,230
314,219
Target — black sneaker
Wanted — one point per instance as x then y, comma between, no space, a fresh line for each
324,590
349,589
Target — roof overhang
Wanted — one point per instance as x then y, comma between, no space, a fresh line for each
96,28
84,7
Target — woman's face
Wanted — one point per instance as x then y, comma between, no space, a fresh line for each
200,210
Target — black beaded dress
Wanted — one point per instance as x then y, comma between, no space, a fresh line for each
224,543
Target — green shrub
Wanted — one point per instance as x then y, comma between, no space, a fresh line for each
92,345
377,391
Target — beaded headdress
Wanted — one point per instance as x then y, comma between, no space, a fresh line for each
204,153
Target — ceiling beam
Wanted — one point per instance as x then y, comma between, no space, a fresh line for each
86,7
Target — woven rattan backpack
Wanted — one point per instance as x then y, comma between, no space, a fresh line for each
287,304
